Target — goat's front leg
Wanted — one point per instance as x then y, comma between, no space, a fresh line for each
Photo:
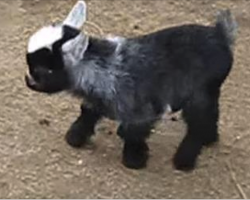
135,151
83,128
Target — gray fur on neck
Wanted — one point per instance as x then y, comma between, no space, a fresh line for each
93,73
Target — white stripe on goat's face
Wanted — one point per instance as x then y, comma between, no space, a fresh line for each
45,38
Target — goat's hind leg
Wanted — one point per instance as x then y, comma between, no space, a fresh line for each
201,115
83,128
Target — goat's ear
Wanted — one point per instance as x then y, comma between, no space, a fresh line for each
77,15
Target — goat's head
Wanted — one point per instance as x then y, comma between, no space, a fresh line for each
46,70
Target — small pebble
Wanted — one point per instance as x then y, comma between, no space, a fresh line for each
174,119
238,137
136,27
80,162
110,133
104,155
44,122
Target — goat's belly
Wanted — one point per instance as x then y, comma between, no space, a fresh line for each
144,114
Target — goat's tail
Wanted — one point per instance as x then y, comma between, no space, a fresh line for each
228,25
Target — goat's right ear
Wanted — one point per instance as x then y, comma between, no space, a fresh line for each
77,15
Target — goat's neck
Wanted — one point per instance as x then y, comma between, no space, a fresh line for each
95,70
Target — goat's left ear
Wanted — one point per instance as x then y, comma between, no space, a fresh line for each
77,15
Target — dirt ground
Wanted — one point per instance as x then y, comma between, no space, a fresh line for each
35,161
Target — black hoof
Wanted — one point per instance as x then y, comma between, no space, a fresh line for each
184,162
187,153
75,137
135,155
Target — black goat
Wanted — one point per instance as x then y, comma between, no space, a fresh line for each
135,80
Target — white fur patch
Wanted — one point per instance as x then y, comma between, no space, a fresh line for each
169,109
115,39
44,38
119,41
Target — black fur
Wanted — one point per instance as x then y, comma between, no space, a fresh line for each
135,151
83,128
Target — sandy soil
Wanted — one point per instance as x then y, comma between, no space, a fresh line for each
35,162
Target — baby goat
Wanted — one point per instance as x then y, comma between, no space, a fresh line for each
135,80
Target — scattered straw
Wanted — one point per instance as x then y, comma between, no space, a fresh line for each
97,27
234,179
